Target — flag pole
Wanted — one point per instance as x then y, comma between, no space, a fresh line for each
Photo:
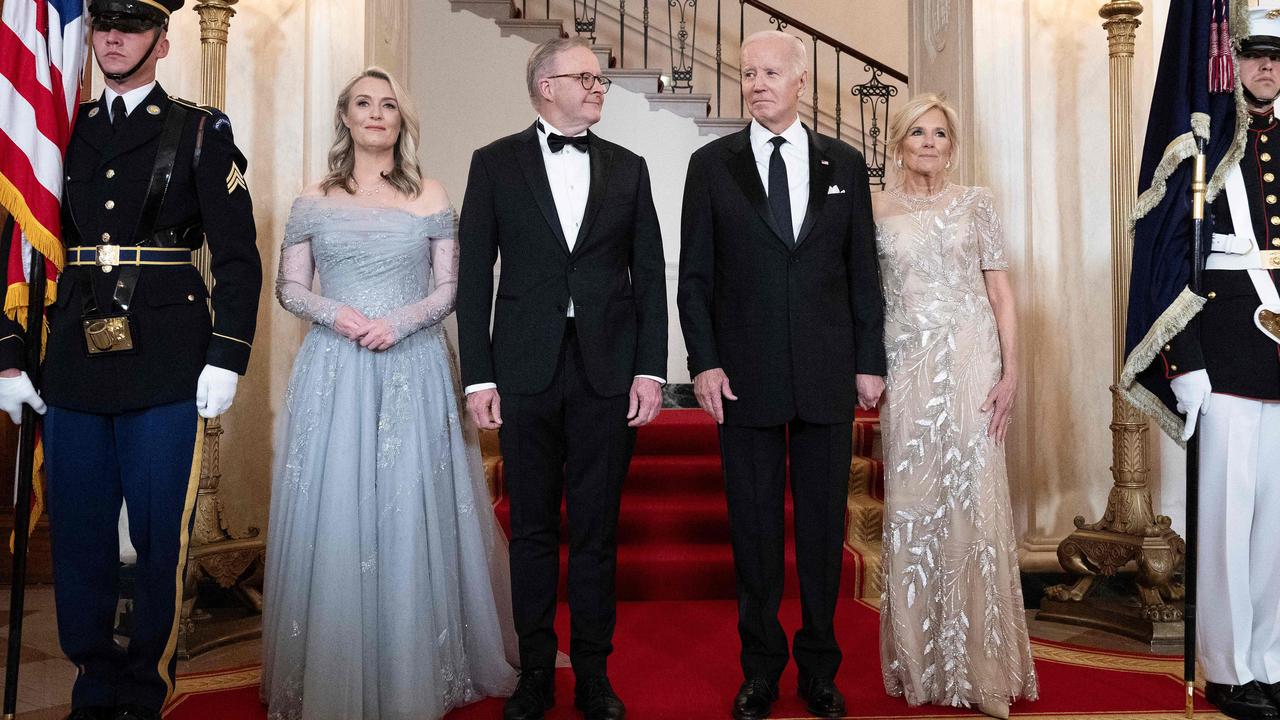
1193,447
26,464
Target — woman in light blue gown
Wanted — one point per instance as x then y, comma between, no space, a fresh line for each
387,594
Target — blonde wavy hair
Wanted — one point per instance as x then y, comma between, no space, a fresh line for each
913,110
405,174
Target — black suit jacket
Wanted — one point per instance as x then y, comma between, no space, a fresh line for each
615,274
790,327
107,175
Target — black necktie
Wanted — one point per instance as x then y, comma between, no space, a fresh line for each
118,113
557,142
779,192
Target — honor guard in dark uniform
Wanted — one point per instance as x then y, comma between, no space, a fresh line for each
1224,371
134,359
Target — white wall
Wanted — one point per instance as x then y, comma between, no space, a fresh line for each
1040,130
285,62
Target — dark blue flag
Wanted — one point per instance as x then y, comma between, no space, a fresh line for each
1182,110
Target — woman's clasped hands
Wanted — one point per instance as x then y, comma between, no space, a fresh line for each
376,334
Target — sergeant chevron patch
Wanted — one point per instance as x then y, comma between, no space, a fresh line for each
235,180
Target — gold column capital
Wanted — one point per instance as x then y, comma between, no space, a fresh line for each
215,19
1121,23
215,27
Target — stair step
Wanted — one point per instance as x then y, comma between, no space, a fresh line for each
658,474
646,521
866,477
695,105
491,9
679,432
604,53
720,126
697,572
535,31
865,521
872,562
641,80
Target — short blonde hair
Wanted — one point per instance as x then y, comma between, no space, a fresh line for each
405,174
908,114
798,50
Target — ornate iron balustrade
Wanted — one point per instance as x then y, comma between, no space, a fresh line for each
878,85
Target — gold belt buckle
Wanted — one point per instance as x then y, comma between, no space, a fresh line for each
1270,259
108,257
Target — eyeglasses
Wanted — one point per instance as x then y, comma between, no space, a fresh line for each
588,80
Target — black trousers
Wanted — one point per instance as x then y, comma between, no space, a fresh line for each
565,442
755,471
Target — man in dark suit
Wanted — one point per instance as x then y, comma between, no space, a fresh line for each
134,360
575,361
782,314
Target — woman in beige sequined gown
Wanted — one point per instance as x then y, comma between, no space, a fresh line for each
952,629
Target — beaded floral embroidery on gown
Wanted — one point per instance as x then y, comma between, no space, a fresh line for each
387,588
952,626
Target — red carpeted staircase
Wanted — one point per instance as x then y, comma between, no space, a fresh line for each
673,527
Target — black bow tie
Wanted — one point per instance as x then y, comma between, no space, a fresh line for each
557,142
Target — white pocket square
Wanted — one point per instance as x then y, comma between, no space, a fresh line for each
835,190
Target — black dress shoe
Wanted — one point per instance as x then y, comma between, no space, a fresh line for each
595,697
92,713
1243,702
755,699
1272,691
535,694
821,698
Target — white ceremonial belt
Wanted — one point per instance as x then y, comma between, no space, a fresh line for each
1256,260
1230,243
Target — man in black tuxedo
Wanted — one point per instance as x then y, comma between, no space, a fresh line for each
782,314
576,359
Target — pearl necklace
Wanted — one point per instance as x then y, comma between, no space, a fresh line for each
382,181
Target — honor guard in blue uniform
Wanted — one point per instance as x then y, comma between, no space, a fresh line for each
1223,370
134,359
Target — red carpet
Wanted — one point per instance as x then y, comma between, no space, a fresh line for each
673,528
676,639
678,661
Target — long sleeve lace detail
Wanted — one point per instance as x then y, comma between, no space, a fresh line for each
437,305
297,269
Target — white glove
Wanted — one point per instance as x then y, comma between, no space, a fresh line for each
14,391
215,390
1192,391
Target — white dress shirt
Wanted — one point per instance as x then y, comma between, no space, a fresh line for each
795,153
569,174
132,98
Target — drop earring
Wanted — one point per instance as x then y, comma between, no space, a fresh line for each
948,165
898,163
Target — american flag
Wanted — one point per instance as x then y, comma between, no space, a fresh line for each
42,55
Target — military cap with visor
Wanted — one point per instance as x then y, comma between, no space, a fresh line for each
131,15
1264,31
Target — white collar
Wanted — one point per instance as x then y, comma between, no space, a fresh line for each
794,134
132,98
548,128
